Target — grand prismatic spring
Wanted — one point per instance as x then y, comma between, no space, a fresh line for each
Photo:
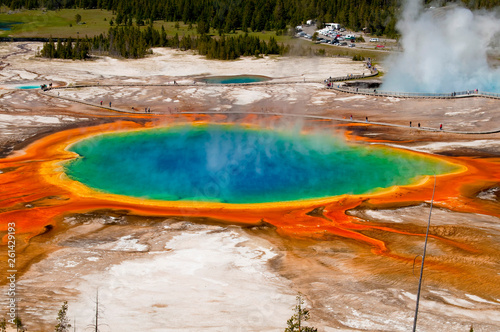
230,164
222,175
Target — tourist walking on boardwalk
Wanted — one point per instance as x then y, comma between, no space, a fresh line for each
109,104
366,118
101,102
441,126
419,124
410,124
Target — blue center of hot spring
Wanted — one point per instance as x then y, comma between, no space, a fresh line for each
29,87
233,164
234,79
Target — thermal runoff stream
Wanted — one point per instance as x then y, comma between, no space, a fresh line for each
236,164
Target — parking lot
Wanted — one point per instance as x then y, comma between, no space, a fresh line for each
371,42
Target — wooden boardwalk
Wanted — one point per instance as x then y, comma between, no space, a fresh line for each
51,92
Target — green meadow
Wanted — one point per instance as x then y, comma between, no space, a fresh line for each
62,24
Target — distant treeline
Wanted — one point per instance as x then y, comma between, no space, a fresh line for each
378,16
68,49
132,42
228,15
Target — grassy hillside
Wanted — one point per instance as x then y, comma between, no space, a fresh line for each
61,23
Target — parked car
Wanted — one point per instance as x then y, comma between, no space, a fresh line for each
342,43
352,45
374,40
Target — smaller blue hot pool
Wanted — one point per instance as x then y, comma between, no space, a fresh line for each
6,26
238,79
28,87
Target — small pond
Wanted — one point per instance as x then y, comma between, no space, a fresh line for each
6,26
237,79
28,87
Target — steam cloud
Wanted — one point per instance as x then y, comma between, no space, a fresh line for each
445,50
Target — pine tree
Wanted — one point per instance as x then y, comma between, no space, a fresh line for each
175,41
301,315
19,324
68,52
119,18
63,324
163,37
48,50
58,48
203,26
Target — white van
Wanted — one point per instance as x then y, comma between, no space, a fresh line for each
374,40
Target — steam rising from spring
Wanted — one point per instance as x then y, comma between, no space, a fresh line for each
445,50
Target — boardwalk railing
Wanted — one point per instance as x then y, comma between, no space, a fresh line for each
422,95
135,111
351,77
